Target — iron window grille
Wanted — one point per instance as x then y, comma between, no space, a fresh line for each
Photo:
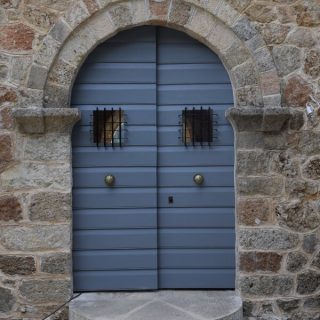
198,126
108,127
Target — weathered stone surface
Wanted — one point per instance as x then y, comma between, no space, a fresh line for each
270,82
92,5
260,261
59,5
60,31
47,147
311,169
249,96
267,239
239,5
4,71
308,13
312,303
50,206
120,15
287,59
274,33
56,96
20,66
244,29
308,282
42,291
37,77
256,211
9,4
16,265
6,119
310,242
39,16
312,63
159,8
49,48
62,73
300,189
76,14
286,165
245,75
269,186
286,14
288,305
296,261
180,12
301,37
261,13
299,216
296,92
10,209
16,37
35,238
7,300
316,261
37,175
260,286
58,263
7,95
263,59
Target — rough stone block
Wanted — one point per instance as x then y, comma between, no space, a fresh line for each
301,37
316,261
121,15
296,261
60,31
270,82
308,282
31,121
159,9
288,306
275,33
56,96
50,206
62,73
255,211
250,140
287,59
260,261
310,242
91,5
298,215
227,14
236,54
7,300
180,12
17,265
261,286
37,77
268,239
37,175
7,94
20,66
312,303
35,238
201,23
263,59
57,263
311,169
261,12
47,52
44,291
244,29
10,209
76,14
245,74
268,186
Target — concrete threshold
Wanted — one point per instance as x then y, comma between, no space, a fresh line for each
157,305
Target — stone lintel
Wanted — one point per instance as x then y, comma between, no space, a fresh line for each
38,120
265,119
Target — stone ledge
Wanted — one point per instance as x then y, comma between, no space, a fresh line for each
265,119
38,120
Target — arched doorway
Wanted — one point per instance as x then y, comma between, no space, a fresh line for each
153,103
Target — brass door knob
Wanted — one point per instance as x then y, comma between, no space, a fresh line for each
109,180
198,179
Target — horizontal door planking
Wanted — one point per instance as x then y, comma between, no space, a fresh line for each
125,177
196,238
113,197
171,115
196,156
173,136
115,260
183,197
114,218
192,74
117,73
141,34
199,94
135,115
114,94
86,157
121,52
115,239
196,258
131,136
197,278
196,218
183,176
115,280
167,35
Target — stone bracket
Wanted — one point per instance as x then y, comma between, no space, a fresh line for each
42,120
265,119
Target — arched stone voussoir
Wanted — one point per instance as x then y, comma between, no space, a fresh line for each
243,52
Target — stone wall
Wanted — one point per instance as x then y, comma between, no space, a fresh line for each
271,50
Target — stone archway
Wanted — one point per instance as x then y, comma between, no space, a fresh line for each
258,119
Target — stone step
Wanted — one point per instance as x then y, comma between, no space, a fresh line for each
157,305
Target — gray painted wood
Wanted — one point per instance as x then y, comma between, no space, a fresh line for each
129,237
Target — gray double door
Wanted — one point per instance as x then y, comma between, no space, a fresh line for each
155,227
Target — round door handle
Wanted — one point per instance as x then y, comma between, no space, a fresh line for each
109,180
198,179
